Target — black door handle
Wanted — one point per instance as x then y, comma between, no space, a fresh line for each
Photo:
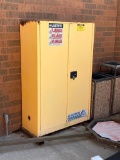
73,75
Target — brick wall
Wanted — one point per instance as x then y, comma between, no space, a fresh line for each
117,44
102,12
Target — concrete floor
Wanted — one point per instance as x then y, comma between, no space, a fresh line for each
72,149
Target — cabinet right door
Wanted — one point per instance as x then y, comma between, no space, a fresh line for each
79,71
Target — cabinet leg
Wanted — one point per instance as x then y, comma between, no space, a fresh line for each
40,143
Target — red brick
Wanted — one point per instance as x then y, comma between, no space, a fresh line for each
40,2
107,33
111,18
108,38
108,44
100,18
14,109
15,114
110,2
97,45
90,6
1,28
101,28
3,72
11,77
3,43
14,127
98,12
14,57
12,36
16,121
117,44
89,18
14,70
97,50
11,14
3,58
15,1
8,6
101,39
117,54
109,23
53,2
10,50
33,15
50,16
9,21
77,17
101,6
98,34
112,7
109,49
10,64
111,58
10,88
11,104
2,14
13,28
86,11
110,13
13,42
1,107
15,96
89,1
111,28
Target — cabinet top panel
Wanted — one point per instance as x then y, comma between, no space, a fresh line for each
25,22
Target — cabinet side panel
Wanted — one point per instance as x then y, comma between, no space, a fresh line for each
30,77
91,66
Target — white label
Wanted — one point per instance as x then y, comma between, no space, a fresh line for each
55,34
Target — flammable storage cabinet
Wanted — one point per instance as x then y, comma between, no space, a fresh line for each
56,63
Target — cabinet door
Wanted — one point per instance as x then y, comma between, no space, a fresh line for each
54,56
79,71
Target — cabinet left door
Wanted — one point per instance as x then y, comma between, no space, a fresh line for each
54,56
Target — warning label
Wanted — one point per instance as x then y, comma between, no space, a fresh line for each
55,34
80,27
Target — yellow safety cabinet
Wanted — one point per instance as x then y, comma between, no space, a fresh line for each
56,66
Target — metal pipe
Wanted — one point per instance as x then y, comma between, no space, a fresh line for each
6,122
114,85
111,98
94,95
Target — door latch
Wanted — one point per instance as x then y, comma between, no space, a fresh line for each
73,75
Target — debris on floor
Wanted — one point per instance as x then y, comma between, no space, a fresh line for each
96,158
108,129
